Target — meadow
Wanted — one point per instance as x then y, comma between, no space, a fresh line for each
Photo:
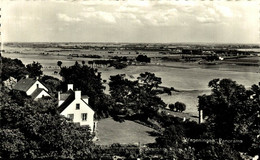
127,132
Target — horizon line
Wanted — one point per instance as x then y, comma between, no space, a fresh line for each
223,43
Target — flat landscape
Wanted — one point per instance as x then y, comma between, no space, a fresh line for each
188,77
130,80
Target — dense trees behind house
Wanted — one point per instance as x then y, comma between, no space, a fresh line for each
15,68
89,81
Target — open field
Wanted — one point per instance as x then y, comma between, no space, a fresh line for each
128,132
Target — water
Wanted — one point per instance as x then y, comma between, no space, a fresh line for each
190,77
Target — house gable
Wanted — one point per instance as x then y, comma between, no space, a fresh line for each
84,108
73,105
39,93
29,85
34,86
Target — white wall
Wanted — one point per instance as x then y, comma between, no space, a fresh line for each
84,108
86,100
60,102
34,87
43,93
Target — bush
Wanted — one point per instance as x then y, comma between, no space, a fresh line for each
180,107
118,65
143,58
172,106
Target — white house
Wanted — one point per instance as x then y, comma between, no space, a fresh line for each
32,87
76,107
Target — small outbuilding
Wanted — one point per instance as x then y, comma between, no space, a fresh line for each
32,87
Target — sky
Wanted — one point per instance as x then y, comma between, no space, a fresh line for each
133,21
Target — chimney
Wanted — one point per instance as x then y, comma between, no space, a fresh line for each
77,94
70,86
59,96
200,116
26,76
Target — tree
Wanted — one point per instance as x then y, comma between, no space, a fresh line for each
34,69
13,144
232,112
83,63
172,107
59,63
118,65
89,81
180,107
171,137
133,98
149,80
91,63
37,130
53,84
143,58
13,68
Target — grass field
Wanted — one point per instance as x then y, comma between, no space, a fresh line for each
128,132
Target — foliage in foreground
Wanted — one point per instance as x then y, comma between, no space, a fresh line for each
231,125
37,130
232,113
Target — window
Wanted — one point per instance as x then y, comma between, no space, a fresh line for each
84,116
70,116
77,106
37,85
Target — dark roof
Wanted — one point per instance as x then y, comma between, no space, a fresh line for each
37,92
24,84
84,96
69,100
65,95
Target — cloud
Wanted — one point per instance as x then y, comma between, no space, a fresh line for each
135,20
206,19
106,17
224,11
66,18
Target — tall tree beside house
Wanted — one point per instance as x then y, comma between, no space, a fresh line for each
34,69
133,98
13,68
232,112
89,81
37,131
